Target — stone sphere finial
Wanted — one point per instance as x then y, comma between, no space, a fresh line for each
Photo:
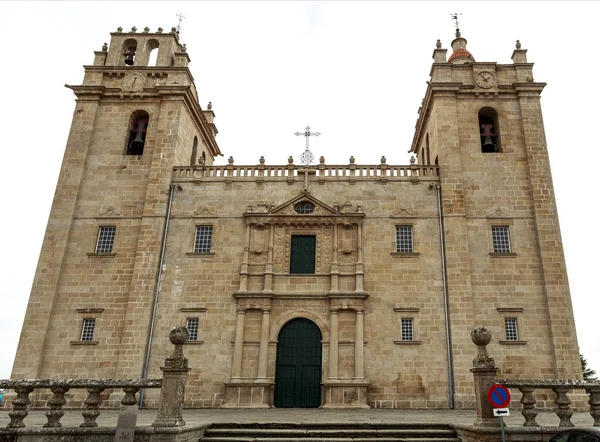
480,335
457,33
518,45
179,335
134,29
438,44
119,29
173,29
146,29
160,30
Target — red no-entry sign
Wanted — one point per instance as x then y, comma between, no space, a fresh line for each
499,396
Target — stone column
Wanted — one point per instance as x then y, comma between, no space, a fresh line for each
333,345
238,348
359,348
484,374
263,353
172,391
269,266
335,271
359,262
244,269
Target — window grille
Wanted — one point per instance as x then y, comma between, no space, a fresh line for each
501,239
512,333
407,329
106,239
304,208
404,239
203,239
87,330
192,326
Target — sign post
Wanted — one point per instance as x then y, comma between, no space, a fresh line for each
499,397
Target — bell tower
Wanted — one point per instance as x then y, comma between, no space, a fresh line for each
482,123
136,116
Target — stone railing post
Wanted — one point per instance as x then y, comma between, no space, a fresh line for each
563,404
594,394
484,374
19,405
172,393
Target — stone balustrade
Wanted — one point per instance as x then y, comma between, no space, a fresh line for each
59,387
561,388
349,172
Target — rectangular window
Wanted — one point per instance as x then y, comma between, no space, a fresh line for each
512,333
203,239
87,330
501,239
106,239
407,329
302,256
404,239
192,326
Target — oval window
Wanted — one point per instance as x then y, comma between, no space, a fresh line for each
304,208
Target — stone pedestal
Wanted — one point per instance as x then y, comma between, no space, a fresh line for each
172,393
345,394
484,376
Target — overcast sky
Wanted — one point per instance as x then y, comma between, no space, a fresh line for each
354,71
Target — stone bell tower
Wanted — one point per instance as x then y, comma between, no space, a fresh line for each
481,122
136,116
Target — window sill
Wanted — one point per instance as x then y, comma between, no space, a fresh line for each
405,254
513,342
101,255
194,342
84,342
200,254
503,255
408,342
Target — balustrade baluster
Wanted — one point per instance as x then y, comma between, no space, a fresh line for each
528,402
563,403
594,393
130,393
19,405
56,403
92,403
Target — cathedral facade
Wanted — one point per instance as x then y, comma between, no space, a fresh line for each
301,285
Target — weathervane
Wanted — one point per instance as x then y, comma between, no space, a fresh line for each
181,17
307,156
455,18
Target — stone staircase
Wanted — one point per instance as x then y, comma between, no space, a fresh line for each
329,432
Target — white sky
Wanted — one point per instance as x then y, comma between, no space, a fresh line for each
354,71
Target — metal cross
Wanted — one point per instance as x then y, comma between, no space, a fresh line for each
181,17
307,156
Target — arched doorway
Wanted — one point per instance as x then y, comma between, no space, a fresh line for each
298,370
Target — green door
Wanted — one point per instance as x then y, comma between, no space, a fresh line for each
302,256
298,370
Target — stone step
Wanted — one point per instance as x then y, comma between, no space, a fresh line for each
329,432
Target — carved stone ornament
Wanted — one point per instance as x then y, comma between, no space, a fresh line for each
109,213
481,337
403,212
204,211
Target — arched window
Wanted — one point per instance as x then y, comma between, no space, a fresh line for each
489,130
427,149
194,152
152,50
129,49
138,125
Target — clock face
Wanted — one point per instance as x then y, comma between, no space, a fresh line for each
133,83
485,79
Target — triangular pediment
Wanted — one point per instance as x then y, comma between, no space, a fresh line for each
288,208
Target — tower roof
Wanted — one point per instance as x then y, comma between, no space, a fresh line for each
460,54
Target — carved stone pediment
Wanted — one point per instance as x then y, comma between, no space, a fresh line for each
499,212
288,208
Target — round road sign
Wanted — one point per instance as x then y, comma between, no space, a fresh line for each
499,396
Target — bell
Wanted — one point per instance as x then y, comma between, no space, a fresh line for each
488,142
129,56
136,147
